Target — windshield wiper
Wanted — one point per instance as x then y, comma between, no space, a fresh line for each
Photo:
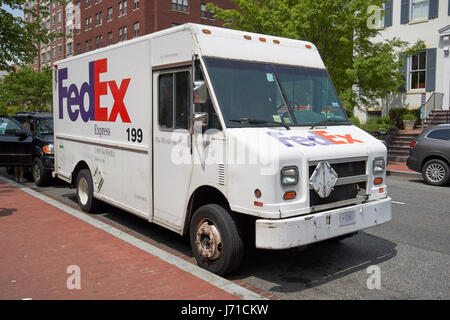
328,121
260,121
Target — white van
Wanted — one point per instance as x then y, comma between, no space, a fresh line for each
230,136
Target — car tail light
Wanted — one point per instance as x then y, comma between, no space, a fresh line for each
412,144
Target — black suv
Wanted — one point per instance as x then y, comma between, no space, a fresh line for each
26,139
430,154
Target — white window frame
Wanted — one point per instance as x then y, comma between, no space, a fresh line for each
410,71
412,10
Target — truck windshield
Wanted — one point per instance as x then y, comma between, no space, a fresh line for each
262,93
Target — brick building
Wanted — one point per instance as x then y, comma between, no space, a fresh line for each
60,22
93,24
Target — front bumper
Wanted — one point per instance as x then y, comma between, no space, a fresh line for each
48,162
303,230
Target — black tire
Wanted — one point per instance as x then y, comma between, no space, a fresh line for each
41,176
436,172
224,255
85,192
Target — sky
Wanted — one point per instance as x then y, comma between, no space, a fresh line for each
14,12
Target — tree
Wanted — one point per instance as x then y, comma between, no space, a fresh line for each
26,90
18,37
341,32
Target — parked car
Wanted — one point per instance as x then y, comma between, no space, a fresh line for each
430,155
26,139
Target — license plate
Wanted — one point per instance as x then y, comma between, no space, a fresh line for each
347,218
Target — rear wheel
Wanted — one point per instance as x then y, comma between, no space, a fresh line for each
85,191
216,239
436,172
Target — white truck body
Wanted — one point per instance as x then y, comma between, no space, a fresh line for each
107,120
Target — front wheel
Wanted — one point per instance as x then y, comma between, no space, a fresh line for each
436,172
41,176
216,239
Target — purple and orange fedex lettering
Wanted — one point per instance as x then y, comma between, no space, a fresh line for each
94,89
314,138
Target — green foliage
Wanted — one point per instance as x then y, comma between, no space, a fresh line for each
409,116
26,90
339,29
375,125
18,37
355,121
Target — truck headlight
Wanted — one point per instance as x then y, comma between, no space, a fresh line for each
48,149
379,166
289,176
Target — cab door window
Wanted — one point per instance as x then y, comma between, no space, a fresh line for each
174,100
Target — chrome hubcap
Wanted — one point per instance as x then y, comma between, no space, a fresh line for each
83,191
435,172
208,240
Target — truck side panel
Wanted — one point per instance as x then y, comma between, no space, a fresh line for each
103,118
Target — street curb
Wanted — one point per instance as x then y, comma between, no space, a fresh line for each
402,173
219,282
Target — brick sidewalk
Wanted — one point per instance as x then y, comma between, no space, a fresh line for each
399,167
38,242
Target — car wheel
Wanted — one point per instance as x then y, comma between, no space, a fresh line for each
85,192
216,240
41,176
436,172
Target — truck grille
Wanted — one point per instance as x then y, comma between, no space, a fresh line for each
350,188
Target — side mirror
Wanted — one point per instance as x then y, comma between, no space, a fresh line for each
200,92
201,119
21,133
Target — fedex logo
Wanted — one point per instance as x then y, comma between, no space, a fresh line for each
94,89
314,138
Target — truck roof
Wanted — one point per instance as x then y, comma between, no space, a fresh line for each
235,44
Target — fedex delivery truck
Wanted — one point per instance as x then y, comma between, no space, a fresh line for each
228,136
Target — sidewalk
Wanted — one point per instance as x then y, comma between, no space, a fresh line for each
38,243
399,168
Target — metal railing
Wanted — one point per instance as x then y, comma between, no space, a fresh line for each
435,102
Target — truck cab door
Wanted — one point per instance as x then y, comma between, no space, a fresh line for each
172,157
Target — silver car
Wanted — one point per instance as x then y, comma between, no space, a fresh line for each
430,155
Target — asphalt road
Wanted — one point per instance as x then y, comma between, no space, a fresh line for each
412,251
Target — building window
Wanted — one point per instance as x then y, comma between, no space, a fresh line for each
54,52
97,42
136,29
136,4
101,41
418,69
87,23
54,19
110,38
59,50
87,46
110,13
69,48
203,10
124,33
43,58
59,16
79,48
211,14
120,9
90,44
125,7
419,9
180,5
120,34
